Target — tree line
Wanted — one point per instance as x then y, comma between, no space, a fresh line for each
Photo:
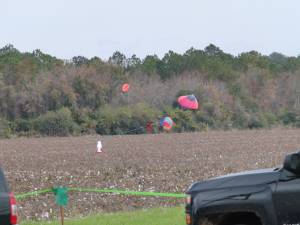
43,95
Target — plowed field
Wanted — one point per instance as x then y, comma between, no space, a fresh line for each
163,162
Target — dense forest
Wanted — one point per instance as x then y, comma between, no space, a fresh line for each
43,95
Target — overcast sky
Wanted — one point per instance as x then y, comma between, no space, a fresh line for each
67,28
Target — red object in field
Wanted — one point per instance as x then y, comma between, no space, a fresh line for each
188,102
149,127
13,209
166,123
125,87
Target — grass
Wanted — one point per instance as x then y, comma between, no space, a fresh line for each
158,216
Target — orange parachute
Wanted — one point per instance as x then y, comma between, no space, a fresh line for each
125,88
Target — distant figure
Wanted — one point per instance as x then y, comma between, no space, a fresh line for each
99,147
149,128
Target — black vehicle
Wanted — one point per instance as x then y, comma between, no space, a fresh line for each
261,197
8,208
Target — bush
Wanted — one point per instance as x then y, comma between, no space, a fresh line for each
240,120
5,130
184,120
22,125
257,121
125,120
84,121
113,120
270,118
204,120
288,118
55,123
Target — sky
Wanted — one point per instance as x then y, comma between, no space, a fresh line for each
67,28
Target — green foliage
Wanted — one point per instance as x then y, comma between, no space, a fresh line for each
84,121
125,120
290,118
89,94
270,119
5,130
257,121
184,120
212,50
173,64
150,64
235,89
40,94
80,60
240,119
23,126
133,63
219,70
118,59
55,123
255,59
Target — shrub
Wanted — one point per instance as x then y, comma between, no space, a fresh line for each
288,118
106,118
184,120
22,125
5,130
270,118
204,120
125,120
55,123
297,124
257,121
84,121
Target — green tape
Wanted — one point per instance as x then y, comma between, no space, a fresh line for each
33,193
106,190
139,193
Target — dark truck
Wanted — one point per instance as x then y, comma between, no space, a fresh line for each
8,208
260,197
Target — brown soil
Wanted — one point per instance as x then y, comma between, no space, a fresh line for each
164,163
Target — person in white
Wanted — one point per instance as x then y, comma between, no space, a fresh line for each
99,146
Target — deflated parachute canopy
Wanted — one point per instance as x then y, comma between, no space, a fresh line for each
125,87
166,123
188,102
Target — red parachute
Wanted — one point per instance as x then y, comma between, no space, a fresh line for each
125,87
188,102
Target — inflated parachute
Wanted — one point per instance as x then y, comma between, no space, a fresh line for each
166,123
125,87
188,102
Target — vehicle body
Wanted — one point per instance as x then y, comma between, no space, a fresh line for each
8,208
261,197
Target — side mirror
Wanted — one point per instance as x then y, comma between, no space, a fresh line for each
292,163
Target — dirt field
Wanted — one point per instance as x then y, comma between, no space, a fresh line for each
164,163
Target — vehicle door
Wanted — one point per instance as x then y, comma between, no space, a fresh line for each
287,201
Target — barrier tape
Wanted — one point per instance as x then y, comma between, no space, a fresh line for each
32,193
92,190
